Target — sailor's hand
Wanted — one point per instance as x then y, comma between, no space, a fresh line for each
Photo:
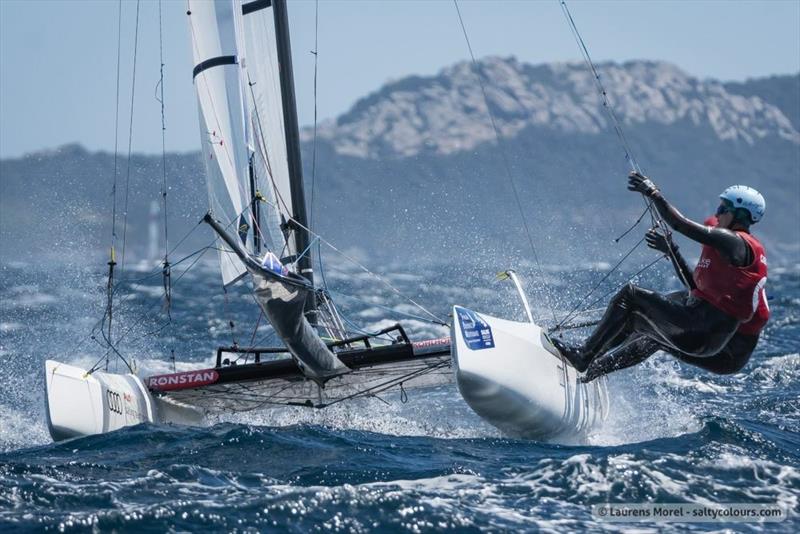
641,184
658,241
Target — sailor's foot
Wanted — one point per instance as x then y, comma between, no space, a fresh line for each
574,355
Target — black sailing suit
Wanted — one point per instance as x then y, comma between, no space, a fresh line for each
639,322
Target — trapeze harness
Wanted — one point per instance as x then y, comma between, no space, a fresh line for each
714,326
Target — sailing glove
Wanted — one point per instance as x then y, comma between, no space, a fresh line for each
659,242
641,184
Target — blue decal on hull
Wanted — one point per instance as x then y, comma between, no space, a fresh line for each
476,332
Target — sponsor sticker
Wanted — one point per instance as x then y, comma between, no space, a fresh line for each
431,342
185,380
476,332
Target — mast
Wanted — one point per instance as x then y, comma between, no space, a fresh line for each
292,135
255,211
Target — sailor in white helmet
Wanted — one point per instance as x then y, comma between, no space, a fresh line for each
715,322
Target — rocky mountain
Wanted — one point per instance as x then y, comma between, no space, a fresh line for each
782,92
446,113
414,171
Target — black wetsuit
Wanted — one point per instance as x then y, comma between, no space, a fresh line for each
639,322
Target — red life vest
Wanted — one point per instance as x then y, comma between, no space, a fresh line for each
738,291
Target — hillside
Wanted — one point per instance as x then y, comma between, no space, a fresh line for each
413,170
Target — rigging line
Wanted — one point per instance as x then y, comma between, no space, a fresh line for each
255,328
356,263
199,254
157,271
144,314
166,269
305,251
110,346
636,222
130,138
101,322
265,156
314,144
260,142
116,131
630,279
374,275
629,157
601,88
387,308
112,261
655,217
130,295
598,284
504,156
379,388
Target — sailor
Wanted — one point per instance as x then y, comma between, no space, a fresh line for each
715,323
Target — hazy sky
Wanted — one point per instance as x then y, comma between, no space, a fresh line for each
58,58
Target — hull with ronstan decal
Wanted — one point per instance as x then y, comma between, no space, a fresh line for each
79,403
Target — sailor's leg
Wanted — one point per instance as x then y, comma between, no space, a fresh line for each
633,353
731,359
690,326
676,321
616,322
613,329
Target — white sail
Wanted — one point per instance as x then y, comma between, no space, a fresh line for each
218,83
263,103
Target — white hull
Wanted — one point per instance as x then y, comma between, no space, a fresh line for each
512,377
81,404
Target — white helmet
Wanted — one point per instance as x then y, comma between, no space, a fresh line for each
747,198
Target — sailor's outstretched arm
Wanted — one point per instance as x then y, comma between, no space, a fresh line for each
725,241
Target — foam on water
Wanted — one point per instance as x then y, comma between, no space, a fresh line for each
674,434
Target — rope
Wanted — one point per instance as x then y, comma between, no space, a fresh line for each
315,52
504,156
199,253
601,89
655,218
387,308
598,284
130,138
116,131
111,262
574,311
145,314
118,286
383,386
630,279
160,99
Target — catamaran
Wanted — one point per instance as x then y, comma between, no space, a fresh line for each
508,372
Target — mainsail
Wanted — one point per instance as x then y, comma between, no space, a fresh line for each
245,100
217,80
264,115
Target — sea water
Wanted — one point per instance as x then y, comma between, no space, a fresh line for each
675,434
